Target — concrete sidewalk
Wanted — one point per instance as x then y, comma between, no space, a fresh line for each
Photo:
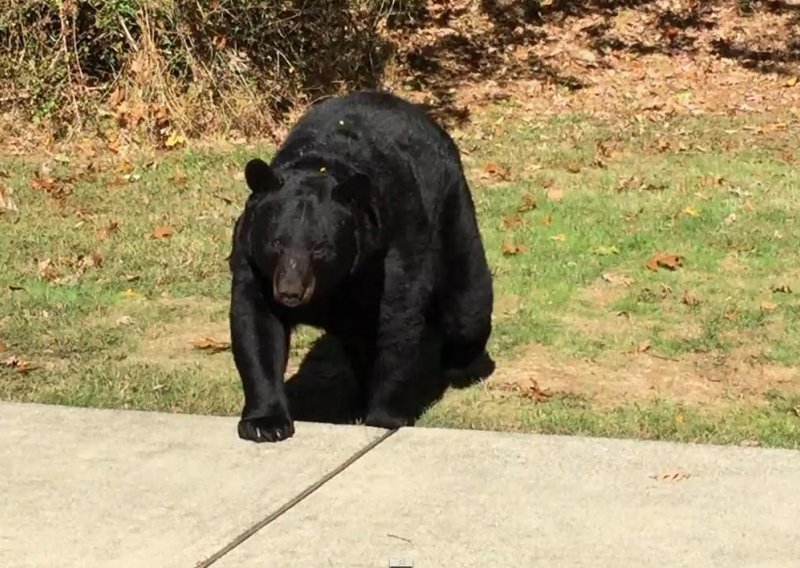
97,488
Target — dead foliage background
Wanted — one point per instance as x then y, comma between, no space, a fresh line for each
157,67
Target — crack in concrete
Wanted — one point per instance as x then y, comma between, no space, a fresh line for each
286,507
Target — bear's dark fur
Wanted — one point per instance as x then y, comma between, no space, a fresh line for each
362,225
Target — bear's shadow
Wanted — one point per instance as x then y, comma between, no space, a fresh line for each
325,390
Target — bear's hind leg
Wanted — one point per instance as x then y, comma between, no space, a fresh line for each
466,296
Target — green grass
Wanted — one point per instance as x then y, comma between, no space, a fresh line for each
94,334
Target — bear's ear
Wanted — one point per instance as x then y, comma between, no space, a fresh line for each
260,177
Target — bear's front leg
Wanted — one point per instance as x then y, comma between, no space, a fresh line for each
260,345
400,329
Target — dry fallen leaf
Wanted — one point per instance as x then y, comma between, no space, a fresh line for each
48,270
663,260
106,232
781,289
129,294
730,219
512,222
175,139
6,202
93,260
617,279
528,203
163,232
510,249
211,344
116,97
47,184
768,306
671,476
689,299
730,315
555,193
691,211
125,320
18,364
528,389
179,178
547,220
494,169
559,237
3,347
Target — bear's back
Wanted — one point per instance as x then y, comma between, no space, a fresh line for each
385,137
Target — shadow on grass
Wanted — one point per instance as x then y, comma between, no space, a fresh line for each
325,390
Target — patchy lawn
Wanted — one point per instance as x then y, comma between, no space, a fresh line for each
646,273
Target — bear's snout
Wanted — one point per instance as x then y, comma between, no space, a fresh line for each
293,281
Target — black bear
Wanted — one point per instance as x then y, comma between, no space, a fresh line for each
362,225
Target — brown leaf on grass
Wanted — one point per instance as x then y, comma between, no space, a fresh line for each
643,347
510,249
210,344
493,169
54,188
617,279
116,97
48,270
671,476
781,289
634,183
547,220
512,222
664,260
529,389
179,178
105,233
47,184
528,203
689,299
6,202
712,180
17,364
3,347
162,232
124,167
730,315
93,260
555,193
768,306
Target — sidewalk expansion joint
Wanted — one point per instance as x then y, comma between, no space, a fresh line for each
293,502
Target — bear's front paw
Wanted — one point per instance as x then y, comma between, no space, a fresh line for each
383,418
266,429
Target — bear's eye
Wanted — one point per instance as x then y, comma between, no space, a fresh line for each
318,249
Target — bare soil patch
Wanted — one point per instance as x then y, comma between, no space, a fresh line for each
613,379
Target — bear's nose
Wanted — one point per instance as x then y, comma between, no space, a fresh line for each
290,298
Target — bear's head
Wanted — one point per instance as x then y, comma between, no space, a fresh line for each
306,228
